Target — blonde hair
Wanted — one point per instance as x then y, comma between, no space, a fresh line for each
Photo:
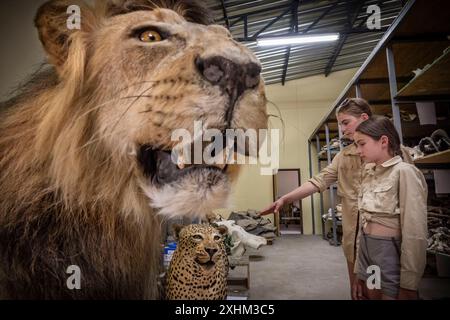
355,107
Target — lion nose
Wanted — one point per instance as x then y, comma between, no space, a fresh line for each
211,252
232,77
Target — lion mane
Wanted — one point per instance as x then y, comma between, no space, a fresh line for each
76,160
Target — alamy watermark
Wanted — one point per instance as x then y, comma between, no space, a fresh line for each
74,19
232,146
74,280
374,19
374,280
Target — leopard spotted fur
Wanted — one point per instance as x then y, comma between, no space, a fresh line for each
199,267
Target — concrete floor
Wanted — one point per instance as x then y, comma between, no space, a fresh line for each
299,267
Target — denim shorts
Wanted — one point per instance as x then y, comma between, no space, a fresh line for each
383,252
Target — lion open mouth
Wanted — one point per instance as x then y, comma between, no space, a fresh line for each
178,189
162,169
159,167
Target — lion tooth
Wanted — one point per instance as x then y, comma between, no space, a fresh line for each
181,166
180,162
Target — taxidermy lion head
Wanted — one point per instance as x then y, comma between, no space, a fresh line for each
85,167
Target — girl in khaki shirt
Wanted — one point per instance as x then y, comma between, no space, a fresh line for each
393,209
346,169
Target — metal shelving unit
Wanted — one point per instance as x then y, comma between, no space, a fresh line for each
417,38
333,188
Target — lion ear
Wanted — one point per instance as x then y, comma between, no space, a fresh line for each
56,20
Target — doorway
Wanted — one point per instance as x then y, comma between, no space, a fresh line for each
289,219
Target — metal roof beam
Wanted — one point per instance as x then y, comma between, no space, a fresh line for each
225,15
294,27
327,11
252,20
351,20
295,24
235,21
287,7
271,23
256,12
270,9
346,33
285,66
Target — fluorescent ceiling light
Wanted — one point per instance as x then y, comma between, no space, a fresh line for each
298,39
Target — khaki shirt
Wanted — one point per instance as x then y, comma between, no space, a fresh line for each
347,169
394,194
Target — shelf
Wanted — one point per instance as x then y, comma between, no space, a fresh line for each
433,81
438,252
435,158
438,215
414,130
407,58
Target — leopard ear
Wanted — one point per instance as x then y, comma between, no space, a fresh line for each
176,230
56,20
222,229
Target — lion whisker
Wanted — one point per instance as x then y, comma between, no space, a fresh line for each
115,99
129,107
99,138
115,125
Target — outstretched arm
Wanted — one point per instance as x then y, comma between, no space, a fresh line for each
301,192
318,183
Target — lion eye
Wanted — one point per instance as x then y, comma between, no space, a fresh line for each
197,237
150,36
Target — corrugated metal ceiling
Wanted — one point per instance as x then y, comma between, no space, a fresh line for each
248,20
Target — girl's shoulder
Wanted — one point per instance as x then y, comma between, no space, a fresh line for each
408,170
405,166
349,150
